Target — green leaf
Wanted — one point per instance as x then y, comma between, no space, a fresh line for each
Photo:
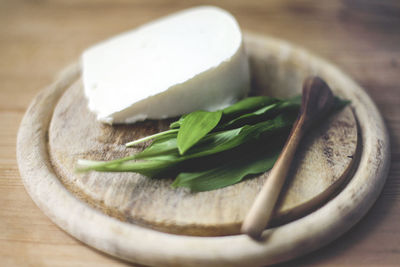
195,126
166,145
239,108
220,148
218,141
246,105
178,123
227,174
263,113
163,156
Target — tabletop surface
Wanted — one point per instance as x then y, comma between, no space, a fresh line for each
40,38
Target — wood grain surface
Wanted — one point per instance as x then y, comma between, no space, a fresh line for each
321,166
39,38
155,248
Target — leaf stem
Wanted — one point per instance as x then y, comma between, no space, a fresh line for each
84,165
141,140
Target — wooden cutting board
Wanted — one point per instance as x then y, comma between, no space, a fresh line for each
321,166
339,171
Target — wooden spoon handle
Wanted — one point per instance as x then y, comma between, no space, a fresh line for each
260,213
317,100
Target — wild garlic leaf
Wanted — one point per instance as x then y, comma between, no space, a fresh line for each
195,126
263,113
229,173
218,141
247,105
227,154
250,118
171,163
241,107
178,123
166,145
206,146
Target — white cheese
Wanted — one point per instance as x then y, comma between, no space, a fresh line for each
187,61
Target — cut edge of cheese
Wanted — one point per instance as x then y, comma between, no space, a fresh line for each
214,87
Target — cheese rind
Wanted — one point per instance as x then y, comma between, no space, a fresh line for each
187,61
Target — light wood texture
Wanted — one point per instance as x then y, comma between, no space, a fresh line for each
317,100
74,134
40,38
156,248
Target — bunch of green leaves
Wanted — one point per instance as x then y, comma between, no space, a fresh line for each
209,150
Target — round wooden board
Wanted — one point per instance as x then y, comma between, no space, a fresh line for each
275,65
321,166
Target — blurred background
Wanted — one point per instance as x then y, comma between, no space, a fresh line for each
38,38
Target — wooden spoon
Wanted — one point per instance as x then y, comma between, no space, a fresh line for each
317,100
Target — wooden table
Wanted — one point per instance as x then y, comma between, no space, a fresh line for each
39,38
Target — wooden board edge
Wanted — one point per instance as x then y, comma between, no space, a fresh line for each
150,247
